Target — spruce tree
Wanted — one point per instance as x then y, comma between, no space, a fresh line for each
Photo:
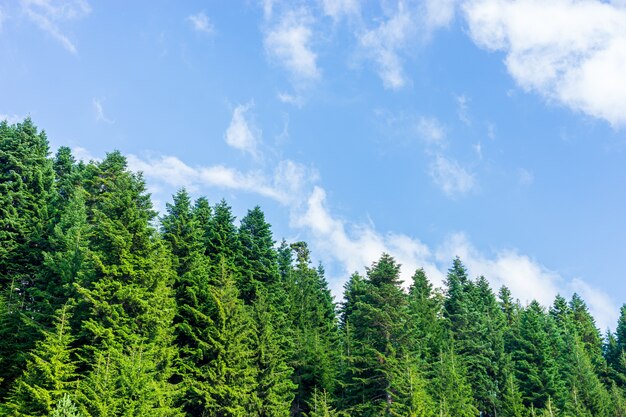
274,388
50,372
453,392
128,306
26,193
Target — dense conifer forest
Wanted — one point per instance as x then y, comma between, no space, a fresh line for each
108,310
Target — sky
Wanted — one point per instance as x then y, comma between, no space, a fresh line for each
493,130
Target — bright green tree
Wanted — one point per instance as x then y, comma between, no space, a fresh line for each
50,372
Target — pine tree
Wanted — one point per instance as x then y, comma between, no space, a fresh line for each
378,320
320,406
257,259
534,358
26,192
128,306
315,352
512,405
275,390
50,372
181,230
230,374
454,394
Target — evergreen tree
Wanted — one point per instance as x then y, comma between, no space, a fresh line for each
230,374
257,259
320,406
128,306
314,330
453,392
50,372
378,320
534,359
65,408
180,229
26,192
512,405
275,390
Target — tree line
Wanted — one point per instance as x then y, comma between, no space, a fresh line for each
107,310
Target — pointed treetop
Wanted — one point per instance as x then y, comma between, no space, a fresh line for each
384,271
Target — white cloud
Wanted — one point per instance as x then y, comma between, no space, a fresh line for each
384,44
340,8
201,23
600,304
399,31
82,154
285,185
11,118
287,98
452,178
99,110
241,133
289,43
354,246
569,51
431,130
439,13
48,14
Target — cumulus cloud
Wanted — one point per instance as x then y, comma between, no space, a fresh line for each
451,177
201,23
241,133
569,51
356,245
288,42
48,15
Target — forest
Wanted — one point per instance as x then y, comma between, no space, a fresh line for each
107,309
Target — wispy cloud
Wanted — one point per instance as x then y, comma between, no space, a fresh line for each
462,102
525,177
242,134
49,14
289,43
571,52
11,118
337,9
451,177
201,23
431,130
384,43
99,110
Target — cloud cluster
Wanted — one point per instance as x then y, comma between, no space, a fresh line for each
570,51
288,41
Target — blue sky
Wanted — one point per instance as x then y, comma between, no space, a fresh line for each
489,129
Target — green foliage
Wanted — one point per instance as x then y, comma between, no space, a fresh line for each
454,394
65,408
50,372
200,317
